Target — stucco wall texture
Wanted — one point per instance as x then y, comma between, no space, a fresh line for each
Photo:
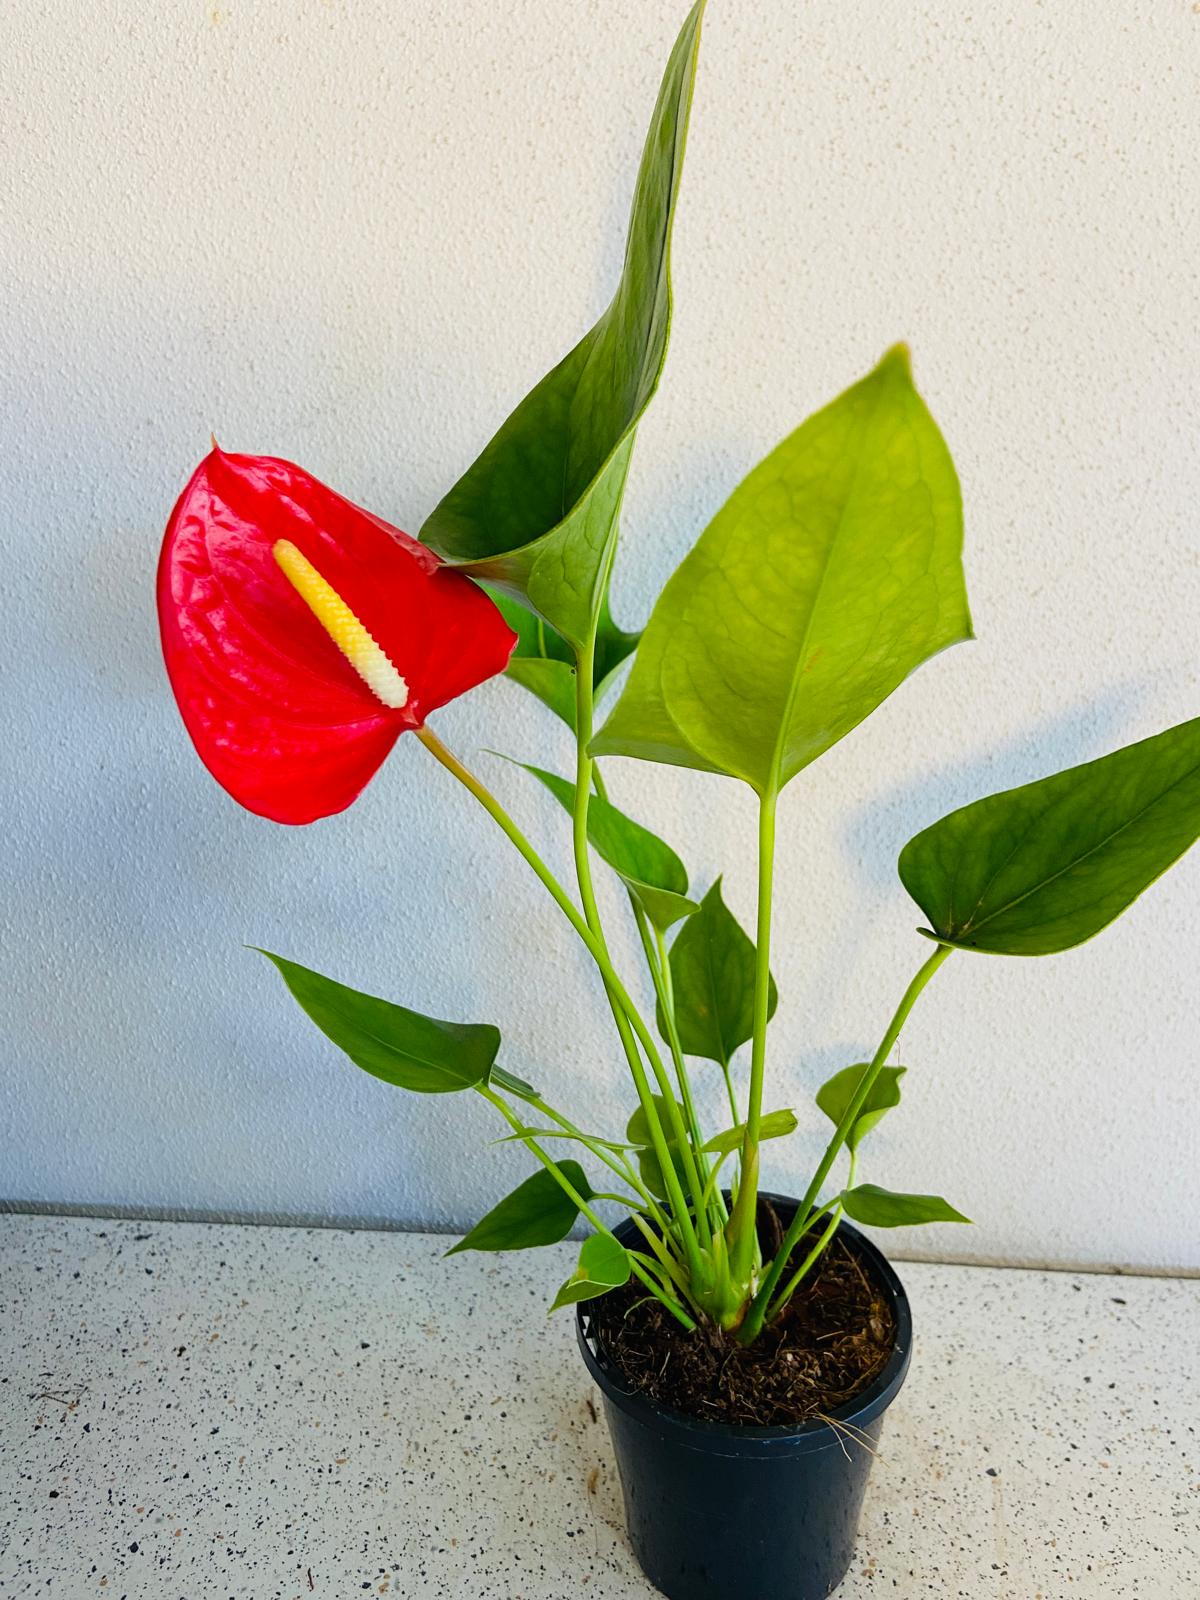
355,235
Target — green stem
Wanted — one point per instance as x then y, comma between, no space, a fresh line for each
732,1093
612,1160
835,1209
569,1189
584,695
692,1146
660,972
756,1316
616,990
675,1273
743,1224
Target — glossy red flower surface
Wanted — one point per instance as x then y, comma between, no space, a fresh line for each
303,635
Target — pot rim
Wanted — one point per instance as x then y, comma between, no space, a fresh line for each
816,1433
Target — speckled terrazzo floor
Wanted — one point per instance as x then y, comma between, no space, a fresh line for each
190,1411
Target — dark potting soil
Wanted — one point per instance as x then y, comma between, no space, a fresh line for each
834,1337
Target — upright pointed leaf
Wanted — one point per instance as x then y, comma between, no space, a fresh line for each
389,1041
536,514
537,1212
831,573
603,1265
1038,869
649,869
834,1098
712,976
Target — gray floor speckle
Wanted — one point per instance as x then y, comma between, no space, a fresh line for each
197,1412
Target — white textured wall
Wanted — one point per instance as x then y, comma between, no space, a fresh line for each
355,234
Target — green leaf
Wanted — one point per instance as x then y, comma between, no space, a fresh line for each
638,1134
553,682
536,514
712,978
544,663
390,1042
511,1084
603,1265
649,869
834,1098
831,573
637,1130
1041,868
882,1208
537,1212
562,1133
774,1125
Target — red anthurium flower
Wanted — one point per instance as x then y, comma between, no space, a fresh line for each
303,635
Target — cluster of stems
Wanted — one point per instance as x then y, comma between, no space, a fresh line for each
702,1257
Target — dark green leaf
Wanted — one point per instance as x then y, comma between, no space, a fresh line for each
832,572
774,1125
1038,869
537,1212
712,976
603,1265
400,1046
881,1208
834,1098
537,512
649,869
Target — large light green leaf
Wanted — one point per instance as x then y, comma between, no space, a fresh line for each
544,663
834,1097
884,1208
537,1212
603,1265
536,514
829,574
1038,869
390,1042
712,979
649,869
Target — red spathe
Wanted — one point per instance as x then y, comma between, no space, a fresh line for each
276,712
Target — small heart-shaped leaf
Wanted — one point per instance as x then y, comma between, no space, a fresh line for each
834,1098
603,1265
712,979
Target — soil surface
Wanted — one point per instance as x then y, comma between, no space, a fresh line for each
835,1336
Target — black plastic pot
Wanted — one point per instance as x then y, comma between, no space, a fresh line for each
717,1511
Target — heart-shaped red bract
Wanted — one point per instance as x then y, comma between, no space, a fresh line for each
276,711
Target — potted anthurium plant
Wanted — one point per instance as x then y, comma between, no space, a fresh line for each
746,1344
